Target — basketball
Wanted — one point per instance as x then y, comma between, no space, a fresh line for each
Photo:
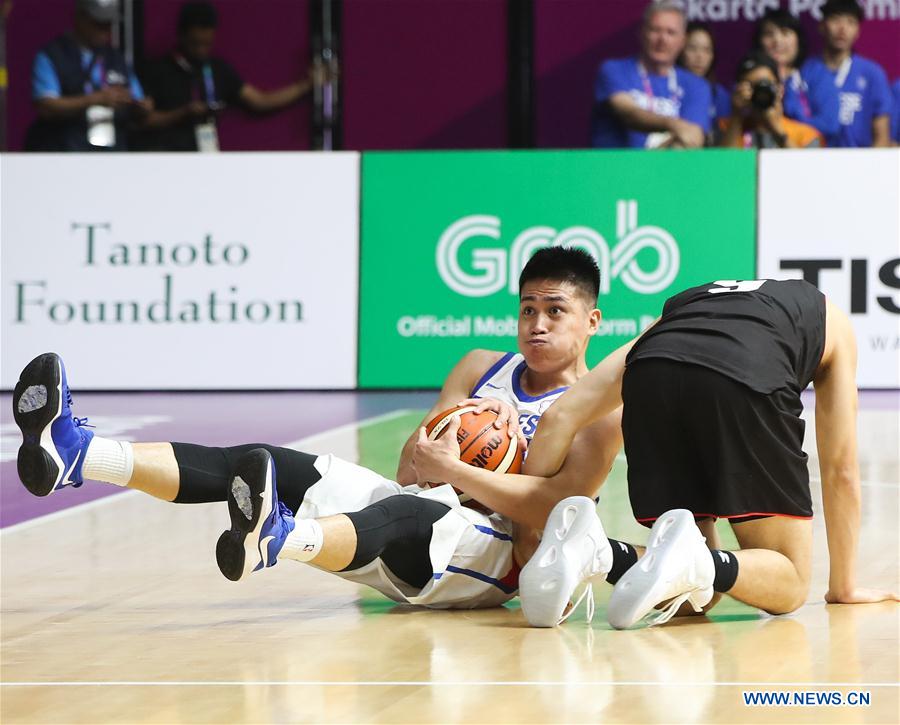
480,443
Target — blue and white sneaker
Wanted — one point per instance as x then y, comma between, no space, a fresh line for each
54,442
260,523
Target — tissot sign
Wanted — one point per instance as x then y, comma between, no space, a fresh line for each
182,271
445,236
833,218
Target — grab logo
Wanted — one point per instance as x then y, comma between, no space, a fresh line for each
497,268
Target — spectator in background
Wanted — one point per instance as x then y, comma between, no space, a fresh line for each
647,101
699,57
895,116
190,87
809,93
84,92
862,85
757,119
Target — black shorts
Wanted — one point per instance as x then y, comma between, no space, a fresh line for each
698,440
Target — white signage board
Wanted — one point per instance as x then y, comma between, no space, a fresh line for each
832,217
182,271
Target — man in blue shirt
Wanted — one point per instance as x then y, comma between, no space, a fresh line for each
647,101
84,92
865,96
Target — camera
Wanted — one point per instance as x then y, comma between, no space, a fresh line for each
763,95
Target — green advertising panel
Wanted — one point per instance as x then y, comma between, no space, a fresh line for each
445,236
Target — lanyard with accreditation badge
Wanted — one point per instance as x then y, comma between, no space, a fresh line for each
101,129
657,139
205,133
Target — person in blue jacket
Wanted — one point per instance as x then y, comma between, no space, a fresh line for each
862,85
809,93
647,101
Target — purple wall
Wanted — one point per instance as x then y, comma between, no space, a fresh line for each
572,37
30,25
424,74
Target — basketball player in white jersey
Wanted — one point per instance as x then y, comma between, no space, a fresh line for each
424,549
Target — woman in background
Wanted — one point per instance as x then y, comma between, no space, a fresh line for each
699,57
810,95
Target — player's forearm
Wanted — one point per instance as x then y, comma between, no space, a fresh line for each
594,396
526,500
841,501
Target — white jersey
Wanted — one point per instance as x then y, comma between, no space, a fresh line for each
471,552
503,381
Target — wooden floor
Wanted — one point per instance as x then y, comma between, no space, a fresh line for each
116,612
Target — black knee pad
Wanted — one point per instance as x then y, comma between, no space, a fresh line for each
397,528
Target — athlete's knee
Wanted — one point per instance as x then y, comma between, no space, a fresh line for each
393,519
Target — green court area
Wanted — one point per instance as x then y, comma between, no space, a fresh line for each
380,442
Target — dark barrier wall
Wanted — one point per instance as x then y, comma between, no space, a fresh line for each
572,37
424,74
267,41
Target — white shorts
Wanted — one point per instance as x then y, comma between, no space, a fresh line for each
471,552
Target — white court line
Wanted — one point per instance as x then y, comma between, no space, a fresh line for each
98,503
445,683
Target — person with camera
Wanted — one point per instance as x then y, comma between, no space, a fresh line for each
757,117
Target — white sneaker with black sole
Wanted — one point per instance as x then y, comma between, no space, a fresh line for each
677,565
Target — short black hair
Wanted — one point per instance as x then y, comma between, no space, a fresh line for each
564,264
196,15
753,60
842,7
782,19
699,26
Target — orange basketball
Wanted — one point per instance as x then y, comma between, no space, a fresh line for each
480,443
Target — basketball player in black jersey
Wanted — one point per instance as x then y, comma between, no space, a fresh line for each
712,429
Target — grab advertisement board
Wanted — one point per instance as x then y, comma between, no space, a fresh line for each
445,235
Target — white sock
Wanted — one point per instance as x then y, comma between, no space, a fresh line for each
109,461
305,542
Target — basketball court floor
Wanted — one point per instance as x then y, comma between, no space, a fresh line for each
113,609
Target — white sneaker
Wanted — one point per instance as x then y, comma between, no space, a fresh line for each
573,549
676,564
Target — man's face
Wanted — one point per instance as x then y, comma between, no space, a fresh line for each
662,37
840,32
197,43
555,324
93,34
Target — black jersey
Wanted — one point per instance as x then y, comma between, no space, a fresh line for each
766,334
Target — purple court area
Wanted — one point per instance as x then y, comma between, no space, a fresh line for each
204,418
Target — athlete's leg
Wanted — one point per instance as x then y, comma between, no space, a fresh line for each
774,563
397,529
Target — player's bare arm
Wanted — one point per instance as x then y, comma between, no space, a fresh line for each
457,387
836,405
592,399
525,499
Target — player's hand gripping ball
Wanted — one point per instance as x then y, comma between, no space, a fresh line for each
481,444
